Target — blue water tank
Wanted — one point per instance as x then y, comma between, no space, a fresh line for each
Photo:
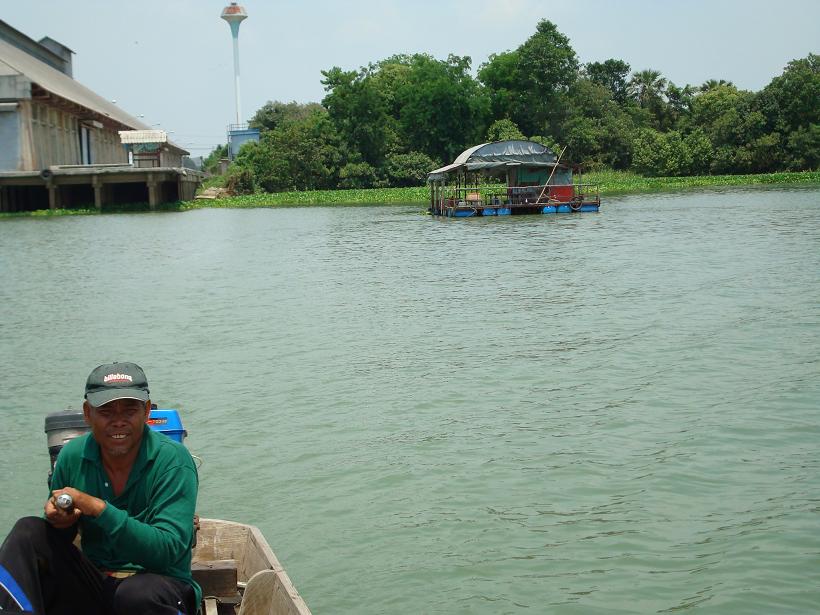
167,422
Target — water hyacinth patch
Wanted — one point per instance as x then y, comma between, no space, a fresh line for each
364,196
609,182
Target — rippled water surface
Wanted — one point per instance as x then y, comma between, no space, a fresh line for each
588,413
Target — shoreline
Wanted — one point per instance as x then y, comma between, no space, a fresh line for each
612,183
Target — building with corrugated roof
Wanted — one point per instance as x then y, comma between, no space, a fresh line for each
60,142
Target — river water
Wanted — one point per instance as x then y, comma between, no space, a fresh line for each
588,413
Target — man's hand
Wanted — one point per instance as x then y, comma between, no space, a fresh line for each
59,518
84,504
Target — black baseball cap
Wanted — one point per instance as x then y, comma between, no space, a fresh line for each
116,381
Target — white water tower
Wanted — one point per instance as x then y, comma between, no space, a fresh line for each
235,14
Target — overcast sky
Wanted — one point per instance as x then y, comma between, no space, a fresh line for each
171,60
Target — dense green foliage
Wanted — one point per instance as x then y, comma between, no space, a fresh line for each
389,123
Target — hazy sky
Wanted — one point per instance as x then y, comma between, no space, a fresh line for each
171,60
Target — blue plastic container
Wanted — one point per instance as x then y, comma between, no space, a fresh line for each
549,209
167,422
503,211
488,211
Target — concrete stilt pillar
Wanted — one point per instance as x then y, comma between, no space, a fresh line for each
99,195
4,199
53,194
154,196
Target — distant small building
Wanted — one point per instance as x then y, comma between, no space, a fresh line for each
238,135
60,142
151,148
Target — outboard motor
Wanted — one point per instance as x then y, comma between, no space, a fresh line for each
167,422
62,427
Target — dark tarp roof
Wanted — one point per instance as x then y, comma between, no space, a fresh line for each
496,155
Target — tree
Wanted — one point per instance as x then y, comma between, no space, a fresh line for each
211,162
358,111
679,103
547,67
789,104
597,131
711,84
240,180
443,109
500,76
647,88
804,146
668,154
409,169
728,118
611,74
296,155
502,130
391,76
273,113
529,85
357,175
700,152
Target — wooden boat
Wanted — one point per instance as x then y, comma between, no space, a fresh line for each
509,178
232,562
240,574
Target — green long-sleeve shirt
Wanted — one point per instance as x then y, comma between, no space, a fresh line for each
149,526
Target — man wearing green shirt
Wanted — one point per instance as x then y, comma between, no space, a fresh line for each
133,494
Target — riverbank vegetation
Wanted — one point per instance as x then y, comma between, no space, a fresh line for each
389,123
610,182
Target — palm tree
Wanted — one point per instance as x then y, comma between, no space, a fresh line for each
647,87
711,84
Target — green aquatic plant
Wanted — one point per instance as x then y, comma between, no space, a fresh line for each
359,196
624,182
609,182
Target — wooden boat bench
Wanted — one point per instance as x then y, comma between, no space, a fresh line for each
220,589
239,574
219,582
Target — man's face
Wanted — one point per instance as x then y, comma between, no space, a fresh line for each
117,426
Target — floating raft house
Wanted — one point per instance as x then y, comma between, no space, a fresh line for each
509,178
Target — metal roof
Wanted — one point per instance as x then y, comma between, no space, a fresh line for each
41,49
6,70
54,81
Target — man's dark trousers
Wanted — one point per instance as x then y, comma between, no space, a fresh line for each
42,572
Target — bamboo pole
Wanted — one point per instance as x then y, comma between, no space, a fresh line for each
544,189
